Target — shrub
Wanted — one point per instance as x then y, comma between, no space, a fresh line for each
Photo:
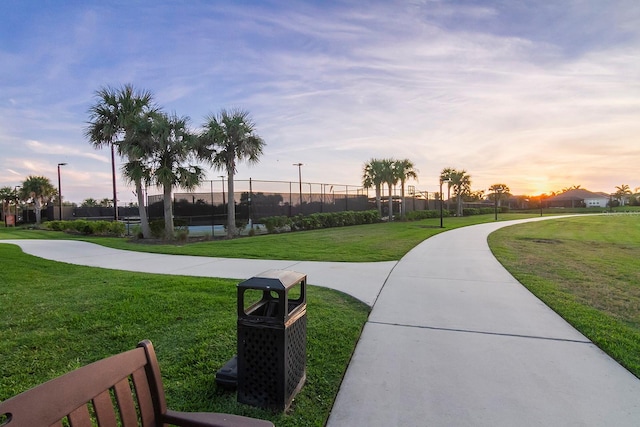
418,215
101,228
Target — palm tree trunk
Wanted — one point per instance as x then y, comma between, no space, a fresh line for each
168,213
37,206
231,208
378,201
390,203
144,221
402,207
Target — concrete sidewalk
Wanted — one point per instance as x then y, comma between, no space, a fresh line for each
455,340
452,340
360,280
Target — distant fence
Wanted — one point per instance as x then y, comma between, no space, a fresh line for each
257,199
254,199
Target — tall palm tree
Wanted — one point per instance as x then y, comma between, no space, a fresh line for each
390,178
461,184
227,138
40,191
404,170
622,191
8,196
497,190
113,119
173,147
372,177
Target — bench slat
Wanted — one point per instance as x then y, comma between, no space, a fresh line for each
103,405
145,403
80,417
128,413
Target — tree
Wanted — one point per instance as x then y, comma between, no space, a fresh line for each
622,192
372,177
227,138
40,191
8,196
390,178
89,203
113,119
496,192
461,184
404,169
173,146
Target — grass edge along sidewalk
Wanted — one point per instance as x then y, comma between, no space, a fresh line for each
585,268
360,243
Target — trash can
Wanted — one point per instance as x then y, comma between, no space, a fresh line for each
272,338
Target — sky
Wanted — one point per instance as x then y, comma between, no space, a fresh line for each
539,95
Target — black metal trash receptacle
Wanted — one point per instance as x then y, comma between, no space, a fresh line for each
272,339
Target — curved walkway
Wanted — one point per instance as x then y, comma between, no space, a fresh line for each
453,338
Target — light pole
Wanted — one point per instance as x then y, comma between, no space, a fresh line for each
299,165
60,192
441,199
496,197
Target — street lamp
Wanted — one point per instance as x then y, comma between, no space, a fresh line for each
299,165
496,199
442,201
60,192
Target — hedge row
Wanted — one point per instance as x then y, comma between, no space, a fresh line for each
483,211
316,221
418,215
101,228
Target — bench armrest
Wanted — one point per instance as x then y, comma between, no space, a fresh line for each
209,419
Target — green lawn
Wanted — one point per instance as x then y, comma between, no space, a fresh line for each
587,269
56,317
373,242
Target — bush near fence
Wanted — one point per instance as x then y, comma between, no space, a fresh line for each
98,228
277,224
483,211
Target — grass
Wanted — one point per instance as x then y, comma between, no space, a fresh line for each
587,269
57,317
374,242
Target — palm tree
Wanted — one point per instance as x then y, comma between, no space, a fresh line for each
390,178
227,138
40,191
7,196
113,118
497,190
404,169
173,147
89,203
461,184
372,177
621,192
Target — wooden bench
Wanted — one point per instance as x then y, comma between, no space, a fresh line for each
125,389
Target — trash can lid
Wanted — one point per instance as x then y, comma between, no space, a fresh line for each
273,279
